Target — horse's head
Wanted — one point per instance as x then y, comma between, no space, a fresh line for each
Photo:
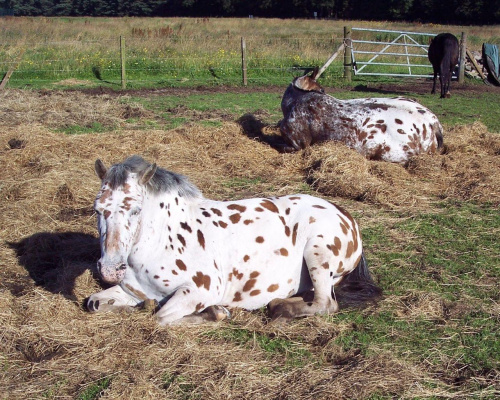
308,83
118,206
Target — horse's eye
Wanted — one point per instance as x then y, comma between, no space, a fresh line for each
97,211
135,211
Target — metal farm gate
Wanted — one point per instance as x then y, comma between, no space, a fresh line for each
392,53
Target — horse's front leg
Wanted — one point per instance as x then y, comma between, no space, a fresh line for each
184,307
113,299
209,314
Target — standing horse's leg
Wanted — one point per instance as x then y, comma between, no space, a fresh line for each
442,80
447,93
434,84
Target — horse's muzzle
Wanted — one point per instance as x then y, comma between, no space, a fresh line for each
112,273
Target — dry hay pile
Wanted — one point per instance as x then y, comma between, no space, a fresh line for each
56,109
50,347
469,169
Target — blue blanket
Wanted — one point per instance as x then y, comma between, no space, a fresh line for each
491,61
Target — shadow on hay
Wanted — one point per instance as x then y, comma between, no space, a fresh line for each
55,260
255,129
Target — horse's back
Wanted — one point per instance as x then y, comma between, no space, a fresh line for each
444,45
393,129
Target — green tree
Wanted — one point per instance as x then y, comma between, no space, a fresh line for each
399,9
61,8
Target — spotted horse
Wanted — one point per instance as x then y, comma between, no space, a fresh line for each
163,242
387,129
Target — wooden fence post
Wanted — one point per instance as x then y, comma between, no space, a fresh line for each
122,58
11,70
461,61
243,61
347,53
330,60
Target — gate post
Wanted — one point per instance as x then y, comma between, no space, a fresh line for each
461,61
347,53
243,61
122,60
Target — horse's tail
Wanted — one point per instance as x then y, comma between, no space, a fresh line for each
444,66
358,287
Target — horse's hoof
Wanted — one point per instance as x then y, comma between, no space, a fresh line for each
216,313
222,313
149,305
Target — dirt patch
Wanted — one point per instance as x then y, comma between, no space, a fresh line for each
419,86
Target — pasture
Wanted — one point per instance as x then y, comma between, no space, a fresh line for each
187,52
430,232
431,228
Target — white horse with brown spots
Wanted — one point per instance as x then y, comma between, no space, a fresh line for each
162,241
385,129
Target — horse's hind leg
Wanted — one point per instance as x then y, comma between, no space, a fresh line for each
326,265
447,93
312,303
434,84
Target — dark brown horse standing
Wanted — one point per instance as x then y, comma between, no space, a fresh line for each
443,55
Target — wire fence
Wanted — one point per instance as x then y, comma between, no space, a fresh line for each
143,60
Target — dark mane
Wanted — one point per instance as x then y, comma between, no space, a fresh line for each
163,181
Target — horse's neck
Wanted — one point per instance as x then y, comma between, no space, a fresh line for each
165,213
291,95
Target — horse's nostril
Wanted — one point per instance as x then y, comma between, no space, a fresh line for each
93,306
99,265
121,267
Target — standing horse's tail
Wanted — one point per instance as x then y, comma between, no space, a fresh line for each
357,287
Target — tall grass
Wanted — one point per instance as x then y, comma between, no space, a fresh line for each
181,51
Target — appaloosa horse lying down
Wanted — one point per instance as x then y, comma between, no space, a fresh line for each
162,240
388,129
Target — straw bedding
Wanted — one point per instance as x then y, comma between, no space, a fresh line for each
51,347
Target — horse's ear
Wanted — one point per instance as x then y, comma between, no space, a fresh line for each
100,169
314,73
148,174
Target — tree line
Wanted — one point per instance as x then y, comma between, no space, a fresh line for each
438,11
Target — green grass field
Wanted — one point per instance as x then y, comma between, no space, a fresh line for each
183,52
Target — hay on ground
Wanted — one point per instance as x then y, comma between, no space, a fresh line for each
51,347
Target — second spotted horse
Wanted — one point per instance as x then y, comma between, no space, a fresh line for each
162,241
386,129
